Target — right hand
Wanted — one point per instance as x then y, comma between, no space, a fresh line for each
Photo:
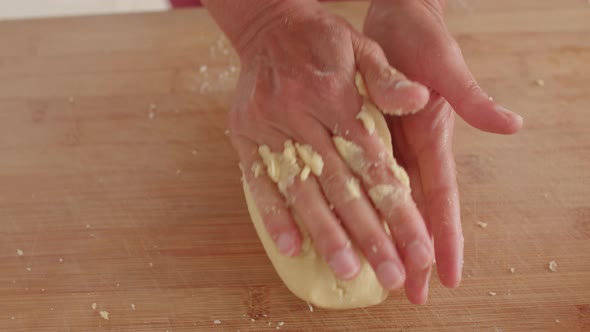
297,83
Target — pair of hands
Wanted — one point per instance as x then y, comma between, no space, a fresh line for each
297,83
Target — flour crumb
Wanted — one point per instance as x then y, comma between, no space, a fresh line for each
20,252
539,82
482,224
61,260
310,307
133,306
203,69
151,264
374,249
217,322
557,320
281,323
553,266
153,106
104,314
512,270
87,225
28,268
492,293
93,306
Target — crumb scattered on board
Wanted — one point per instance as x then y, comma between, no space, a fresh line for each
61,260
104,314
557,320
133,306
553,266
151,264
28,268
310,307
20,252
217,322
512,270
482,224
93,306
539,82
492,293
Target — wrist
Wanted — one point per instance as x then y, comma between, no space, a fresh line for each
244,22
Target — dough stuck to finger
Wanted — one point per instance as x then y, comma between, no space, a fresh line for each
308,275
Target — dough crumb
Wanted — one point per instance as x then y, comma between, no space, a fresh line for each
61,260
305,173
151,115
281,323
93,306
539,82
151,264
366,119
256,169
203,69
553,266
512,270
382,191
217,322
178,171
374,249
360,84
310,158
310,307
133,306
104,314
482,224
492,293
352,154
28,268
557,320
281,168
20,252
353,187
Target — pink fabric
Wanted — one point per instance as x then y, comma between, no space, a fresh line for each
197,3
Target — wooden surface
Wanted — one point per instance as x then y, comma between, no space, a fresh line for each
114,160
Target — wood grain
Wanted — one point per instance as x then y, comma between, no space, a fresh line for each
114,160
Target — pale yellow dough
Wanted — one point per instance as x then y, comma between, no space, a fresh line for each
307,275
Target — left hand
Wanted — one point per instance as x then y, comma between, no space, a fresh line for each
416,41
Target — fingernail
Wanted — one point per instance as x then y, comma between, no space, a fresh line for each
508,113
404,83
419,255
390,276
344,264
286,244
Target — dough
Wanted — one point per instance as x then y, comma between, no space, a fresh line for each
307,275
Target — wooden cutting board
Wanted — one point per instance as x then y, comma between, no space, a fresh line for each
121,189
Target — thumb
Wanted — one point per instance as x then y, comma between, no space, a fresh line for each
451,78
389,89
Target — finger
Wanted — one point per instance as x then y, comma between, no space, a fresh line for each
351,204
409,162
275,214
450,77
329,238
307,202
389,89
388,188
417,287
438,174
